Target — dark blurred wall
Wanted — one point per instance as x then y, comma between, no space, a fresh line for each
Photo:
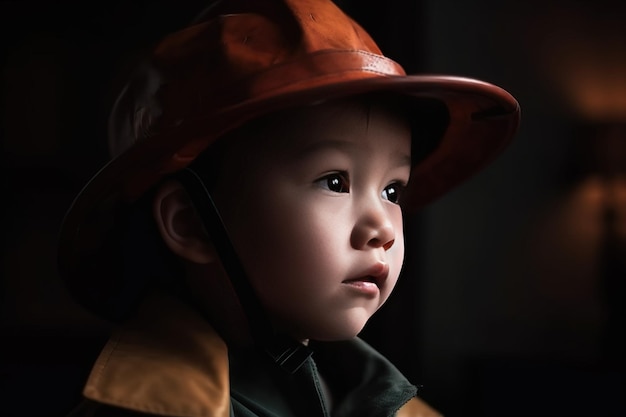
514,311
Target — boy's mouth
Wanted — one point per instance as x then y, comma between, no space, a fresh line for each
376,274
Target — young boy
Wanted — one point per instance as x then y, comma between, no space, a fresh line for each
250,221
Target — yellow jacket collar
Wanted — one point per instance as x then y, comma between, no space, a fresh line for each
167,361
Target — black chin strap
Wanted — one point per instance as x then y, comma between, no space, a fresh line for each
285,351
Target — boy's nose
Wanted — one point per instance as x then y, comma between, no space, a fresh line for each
374,228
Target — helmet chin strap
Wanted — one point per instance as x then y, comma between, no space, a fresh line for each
285,351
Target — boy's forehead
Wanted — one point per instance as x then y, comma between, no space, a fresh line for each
285,135
333,120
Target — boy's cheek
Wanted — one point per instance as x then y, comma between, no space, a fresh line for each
397,252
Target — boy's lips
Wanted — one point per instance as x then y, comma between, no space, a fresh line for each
377,274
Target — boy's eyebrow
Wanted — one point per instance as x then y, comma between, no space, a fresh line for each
401,158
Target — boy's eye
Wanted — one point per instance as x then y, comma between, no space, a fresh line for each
336,182
392,192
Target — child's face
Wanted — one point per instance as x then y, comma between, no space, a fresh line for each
314,216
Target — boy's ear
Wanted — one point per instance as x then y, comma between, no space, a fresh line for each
179,224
